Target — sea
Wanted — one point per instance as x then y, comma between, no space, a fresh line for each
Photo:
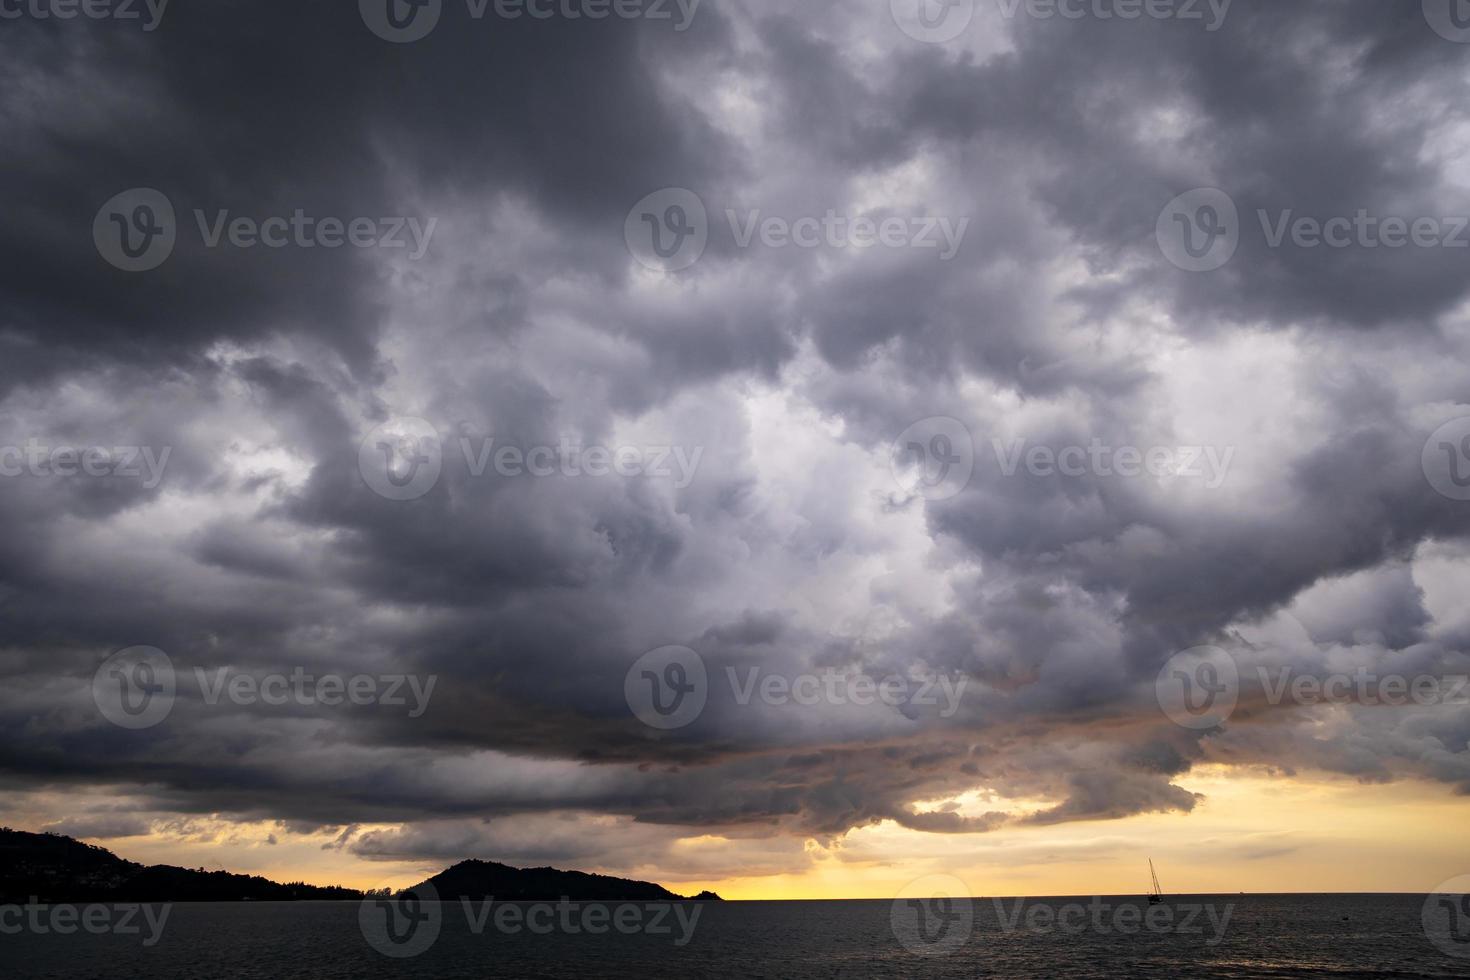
1234,936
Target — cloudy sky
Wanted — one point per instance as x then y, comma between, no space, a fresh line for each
793,449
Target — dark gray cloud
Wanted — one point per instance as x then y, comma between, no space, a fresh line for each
789,551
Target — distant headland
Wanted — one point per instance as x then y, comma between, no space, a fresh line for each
55,868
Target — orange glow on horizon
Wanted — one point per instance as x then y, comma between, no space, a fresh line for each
1251,833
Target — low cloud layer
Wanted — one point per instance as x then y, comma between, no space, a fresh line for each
615,458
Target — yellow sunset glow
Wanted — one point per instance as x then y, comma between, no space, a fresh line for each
1253,832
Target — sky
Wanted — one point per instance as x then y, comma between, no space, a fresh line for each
798,450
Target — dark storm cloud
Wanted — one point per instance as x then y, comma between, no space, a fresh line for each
1056,601
265,108
1313,108
100,825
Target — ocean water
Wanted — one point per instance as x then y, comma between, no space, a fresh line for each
1338,936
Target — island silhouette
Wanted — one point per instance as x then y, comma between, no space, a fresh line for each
54,868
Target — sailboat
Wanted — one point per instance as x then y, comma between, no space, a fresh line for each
1155,897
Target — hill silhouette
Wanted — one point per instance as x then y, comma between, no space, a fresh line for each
487,879
56,868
